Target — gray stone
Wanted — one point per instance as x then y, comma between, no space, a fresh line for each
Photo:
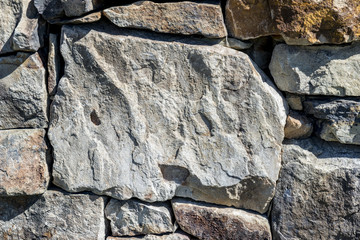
317,70
318,192
139,116
171,236
133,217
295,101
207,221
23,95
339,119
175,17
54,63
236,43
53,215
23,168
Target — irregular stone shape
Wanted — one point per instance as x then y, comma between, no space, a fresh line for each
236,44
339,119
92,17
207,221
23,96
297,126
295,101
54,65
139,116
52,10
177,17
53,215
20,29
23,168
133,217
299,22
318,192
334,70
171,236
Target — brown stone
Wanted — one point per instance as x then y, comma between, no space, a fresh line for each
23,168
92,17
208,221
297,126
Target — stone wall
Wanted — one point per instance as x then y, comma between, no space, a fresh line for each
179,120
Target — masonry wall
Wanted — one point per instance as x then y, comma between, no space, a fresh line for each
179,120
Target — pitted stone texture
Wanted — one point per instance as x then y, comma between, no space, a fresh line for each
133,217
339,119
23,95
177,17
299,22
23,169
317,70
20,29
171,236
53,215
207,221
318,192
139,116
297,126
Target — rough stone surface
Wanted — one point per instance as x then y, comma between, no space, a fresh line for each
133,217
176,17
339,119
54,65
20,29
299,22
318,192
23,169
297,126
92,17
317,70
295,101
53,215
171,236
139,116
207,221
23,95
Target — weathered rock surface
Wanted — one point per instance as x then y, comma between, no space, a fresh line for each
20,29
23,96
139,116
133,217
23,169
317,70
297,126
295,101
207,221
299,22
53,215
92,17
175,17
171,236
317,196
339,119
54,63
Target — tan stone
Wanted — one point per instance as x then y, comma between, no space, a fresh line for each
179,17
92,17
23,168
295,101
297,126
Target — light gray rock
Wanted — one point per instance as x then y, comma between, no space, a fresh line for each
318,192
23,95
133,217
317,70
174,17
171,236
339,119
54,64
53,215
139,116
23,168
208,221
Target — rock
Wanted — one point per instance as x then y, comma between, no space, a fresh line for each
53,215
175,17
318,192
53,10
297,126
171,236
236,44
299,22
133,217
92,17
334,70
139,116
207,221
54,63
20,27
23,96
295,101
23,168
339,119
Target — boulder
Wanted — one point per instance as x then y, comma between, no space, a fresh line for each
186,18
23,168
208,221
53,215
23,95
318,192
137,115
334,70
